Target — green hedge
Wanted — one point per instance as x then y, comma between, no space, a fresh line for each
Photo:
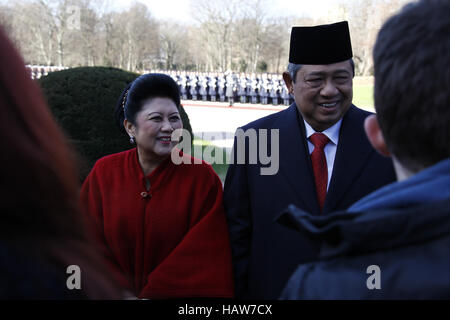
83,101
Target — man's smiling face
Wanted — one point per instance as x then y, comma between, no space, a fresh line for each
323,93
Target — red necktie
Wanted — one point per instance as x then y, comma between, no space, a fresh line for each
319,163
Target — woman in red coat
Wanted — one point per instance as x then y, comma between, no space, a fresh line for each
162,225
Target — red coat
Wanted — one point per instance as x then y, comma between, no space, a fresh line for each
172,242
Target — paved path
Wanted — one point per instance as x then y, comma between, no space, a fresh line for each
217,121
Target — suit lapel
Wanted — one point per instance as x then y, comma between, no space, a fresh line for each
351,155
295,163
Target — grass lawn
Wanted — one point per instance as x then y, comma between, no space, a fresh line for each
363,97
219,168
363,93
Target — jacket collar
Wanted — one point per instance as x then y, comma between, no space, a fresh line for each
429,185
347,232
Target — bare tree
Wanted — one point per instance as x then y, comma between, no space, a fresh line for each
228,35
140,37
253,29
41,27
365,19
83,40
172,42
33,25
6,20
131,38
217,19
275,47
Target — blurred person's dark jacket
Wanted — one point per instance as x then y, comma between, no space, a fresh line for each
402,228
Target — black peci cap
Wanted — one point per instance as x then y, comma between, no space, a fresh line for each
324,44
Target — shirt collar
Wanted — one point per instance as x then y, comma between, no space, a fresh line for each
332,132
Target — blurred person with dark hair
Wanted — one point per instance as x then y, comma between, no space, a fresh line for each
42,232
162,223
395,242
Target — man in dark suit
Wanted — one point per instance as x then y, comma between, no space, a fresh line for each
325,163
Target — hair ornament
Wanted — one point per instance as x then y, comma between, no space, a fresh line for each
124,99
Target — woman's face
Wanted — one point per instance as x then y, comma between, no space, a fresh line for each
156,121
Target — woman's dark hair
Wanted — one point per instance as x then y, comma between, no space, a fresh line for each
40,217
147,86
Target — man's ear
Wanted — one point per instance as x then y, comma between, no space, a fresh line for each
288,81
375,135
129,128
